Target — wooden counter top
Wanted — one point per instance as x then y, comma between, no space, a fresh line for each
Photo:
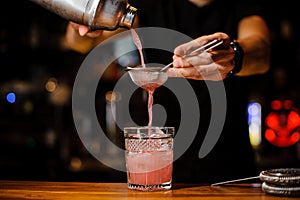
103,191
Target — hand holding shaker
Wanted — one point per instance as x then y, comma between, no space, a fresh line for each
96,14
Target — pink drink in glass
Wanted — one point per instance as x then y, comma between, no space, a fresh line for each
149,159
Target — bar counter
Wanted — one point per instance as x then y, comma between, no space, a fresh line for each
105,191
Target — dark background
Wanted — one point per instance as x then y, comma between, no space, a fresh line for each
38,140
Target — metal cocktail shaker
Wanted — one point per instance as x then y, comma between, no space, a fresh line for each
96,14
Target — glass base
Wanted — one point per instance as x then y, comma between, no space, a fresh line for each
156,187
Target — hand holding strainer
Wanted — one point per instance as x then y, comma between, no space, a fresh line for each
153,77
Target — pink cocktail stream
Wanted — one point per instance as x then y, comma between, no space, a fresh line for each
149,87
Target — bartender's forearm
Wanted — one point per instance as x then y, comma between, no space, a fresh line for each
255,42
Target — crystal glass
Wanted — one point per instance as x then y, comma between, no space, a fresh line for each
149,157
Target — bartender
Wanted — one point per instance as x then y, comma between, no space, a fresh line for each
242,26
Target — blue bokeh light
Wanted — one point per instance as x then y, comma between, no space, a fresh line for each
11,97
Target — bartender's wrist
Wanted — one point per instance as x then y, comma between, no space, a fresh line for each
238,57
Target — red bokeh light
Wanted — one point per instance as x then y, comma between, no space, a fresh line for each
283,124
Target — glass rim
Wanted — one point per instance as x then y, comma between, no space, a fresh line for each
147,127
143,132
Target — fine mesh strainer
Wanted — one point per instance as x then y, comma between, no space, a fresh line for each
147,78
